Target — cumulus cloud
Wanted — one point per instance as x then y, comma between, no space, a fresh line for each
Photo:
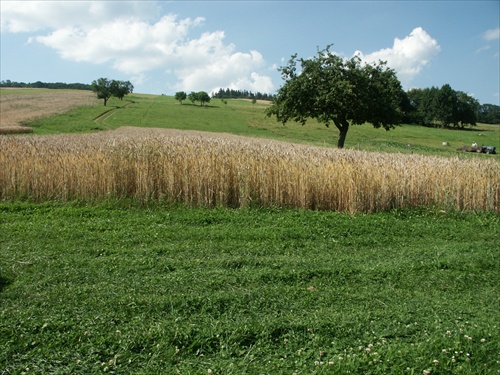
29,16
407,56
132,46
129,37
225,68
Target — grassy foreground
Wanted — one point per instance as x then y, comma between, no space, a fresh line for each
251,291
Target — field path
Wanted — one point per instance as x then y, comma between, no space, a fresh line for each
101,119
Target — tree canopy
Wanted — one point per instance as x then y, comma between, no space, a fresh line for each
203,97
180,96
488,114
121,88
442,107
105,88
343,92
200,96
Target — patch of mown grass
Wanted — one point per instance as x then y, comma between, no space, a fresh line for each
158,290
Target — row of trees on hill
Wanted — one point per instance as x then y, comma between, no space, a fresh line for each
46,85
204,97
105,89
241,94
193,97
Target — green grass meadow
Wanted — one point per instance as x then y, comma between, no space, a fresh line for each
119,288
115,289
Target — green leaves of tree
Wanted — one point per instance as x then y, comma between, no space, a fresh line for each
442,106
194,97
180,96
105,88
331,89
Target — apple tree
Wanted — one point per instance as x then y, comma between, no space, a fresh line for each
341,91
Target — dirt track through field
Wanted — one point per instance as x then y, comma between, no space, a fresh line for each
104,116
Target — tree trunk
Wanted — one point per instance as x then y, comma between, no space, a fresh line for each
343,126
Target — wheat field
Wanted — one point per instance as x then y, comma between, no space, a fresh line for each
209,169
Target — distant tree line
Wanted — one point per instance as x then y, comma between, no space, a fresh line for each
441,107
46,85
445,107
488,114
241,94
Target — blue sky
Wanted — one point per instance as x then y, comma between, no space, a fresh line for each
169,46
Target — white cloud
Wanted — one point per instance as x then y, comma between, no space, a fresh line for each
225,69
483,48
129,37
132,46
29,16
407,56
492,34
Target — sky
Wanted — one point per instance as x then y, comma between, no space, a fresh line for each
167,46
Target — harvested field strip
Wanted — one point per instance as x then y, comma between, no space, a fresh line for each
207,169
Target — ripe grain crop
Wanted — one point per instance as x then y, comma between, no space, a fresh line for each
208,169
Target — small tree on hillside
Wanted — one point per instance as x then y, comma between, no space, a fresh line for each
180,96
102,88
105,88
121,88
193,97
203,97
343,92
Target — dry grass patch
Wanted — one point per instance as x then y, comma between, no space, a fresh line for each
18,109
209,169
